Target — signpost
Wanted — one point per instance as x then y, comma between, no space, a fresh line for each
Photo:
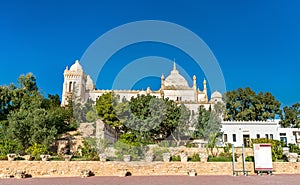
235,172
263,158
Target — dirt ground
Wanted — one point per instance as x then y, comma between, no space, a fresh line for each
159,180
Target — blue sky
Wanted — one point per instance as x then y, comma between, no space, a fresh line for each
255,42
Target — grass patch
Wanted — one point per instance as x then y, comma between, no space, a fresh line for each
249,159
56,158
218,159
194,158
175,158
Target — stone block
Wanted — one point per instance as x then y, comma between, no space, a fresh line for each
20,174
11,157
85,173
166,157
45,157
192,172
127,158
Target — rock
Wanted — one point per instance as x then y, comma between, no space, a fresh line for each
127,158
45,157
122,172
183,157
192,172
149,157
27,157
166,157
292,157
11,157
5,176
240,159
203,156
68,157
85,173
20,174
102,157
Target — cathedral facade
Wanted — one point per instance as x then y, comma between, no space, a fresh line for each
174,86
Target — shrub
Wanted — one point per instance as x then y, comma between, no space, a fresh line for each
190,145
226,155
219,159
36,150
126,149
276,147
227,148
249,159
175,158
158,153
98,145
293,148
129,139
88,151
163,144
9,146
4,157
194,158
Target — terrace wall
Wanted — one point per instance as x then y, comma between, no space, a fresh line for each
111,168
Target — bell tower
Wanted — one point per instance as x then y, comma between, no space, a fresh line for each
74,83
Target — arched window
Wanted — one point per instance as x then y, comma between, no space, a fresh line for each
74,87
70,86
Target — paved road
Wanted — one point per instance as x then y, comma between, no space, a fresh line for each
160,180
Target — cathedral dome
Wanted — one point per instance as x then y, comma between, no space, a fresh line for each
216,94
89,83
76,67
175,79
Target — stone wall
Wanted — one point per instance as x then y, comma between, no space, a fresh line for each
73,168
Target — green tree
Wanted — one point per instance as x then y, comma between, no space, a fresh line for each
183,125
209,121
211,144
152,118
106,110
6,101
91,115
28,83
31,125
27,117
76,111
171,119
53,101
80,109
245,104
11,96
290,117
147,113
201,123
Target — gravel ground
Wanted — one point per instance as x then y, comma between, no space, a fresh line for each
159,180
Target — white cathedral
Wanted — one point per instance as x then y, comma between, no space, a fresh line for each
175,87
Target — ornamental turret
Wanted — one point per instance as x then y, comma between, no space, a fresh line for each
194,82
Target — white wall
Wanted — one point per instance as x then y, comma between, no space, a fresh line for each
251,128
